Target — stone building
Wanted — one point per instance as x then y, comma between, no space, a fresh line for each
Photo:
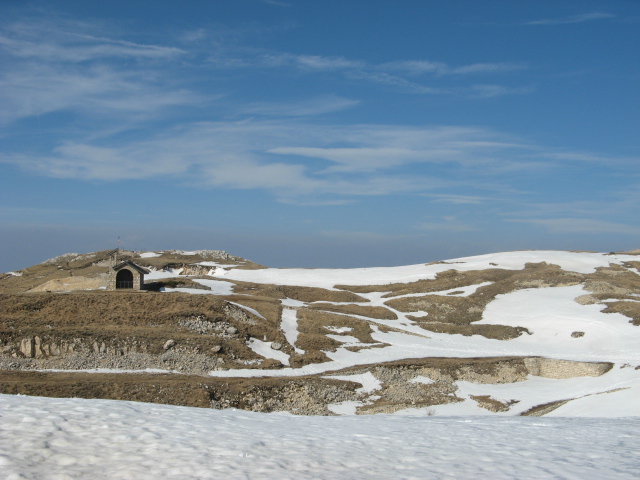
126,275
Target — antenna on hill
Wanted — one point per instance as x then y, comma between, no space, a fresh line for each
114,254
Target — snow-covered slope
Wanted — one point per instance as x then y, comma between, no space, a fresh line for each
550,314
581,262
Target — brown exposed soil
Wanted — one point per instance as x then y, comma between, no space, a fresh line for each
380,313
301,395
497,332
133,322
304,395
303,294
543,409
489,403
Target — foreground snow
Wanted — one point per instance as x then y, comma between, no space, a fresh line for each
73,438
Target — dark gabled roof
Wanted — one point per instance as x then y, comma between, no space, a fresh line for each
130,264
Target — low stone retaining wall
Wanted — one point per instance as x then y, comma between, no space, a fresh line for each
560,369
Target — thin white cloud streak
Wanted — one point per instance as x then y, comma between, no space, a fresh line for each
459,199
490,91
363,159
585,17
383,78
309,107
581,225
311,63
52,44
439,68
379,148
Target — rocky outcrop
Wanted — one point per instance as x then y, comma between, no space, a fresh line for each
34,347
553,368
238,314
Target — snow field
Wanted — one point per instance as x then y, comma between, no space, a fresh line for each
102,439
551,316
581,262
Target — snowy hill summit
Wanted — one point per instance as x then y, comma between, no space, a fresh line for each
514,333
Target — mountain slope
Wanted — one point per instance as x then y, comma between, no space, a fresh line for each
535,332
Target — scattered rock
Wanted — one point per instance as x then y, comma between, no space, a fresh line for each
37,347
27,347
232,330
276,346
169,344
577,334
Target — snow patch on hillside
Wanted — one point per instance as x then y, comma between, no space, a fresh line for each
581,262
264,349
150,255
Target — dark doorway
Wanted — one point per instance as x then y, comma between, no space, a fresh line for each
124,279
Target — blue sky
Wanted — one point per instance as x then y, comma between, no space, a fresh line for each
318,133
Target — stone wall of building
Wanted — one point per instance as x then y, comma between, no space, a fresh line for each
138,279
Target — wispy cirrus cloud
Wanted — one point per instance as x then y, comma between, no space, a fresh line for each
235,155
113,82
77,67
580,18
399,75
50,68
390,74
297,161
96,91
64,43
